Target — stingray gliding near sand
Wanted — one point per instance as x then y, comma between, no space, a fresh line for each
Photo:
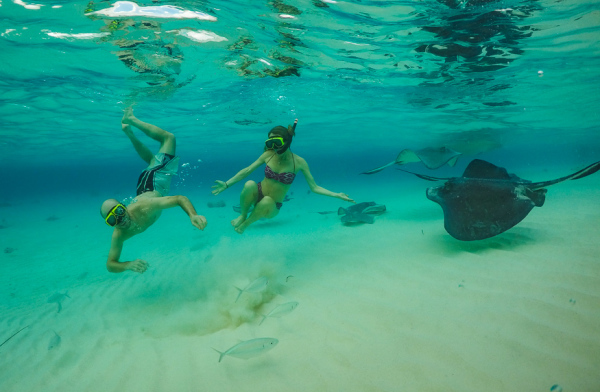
487,200
432,158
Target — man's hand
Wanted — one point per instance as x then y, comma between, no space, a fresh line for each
138,265
199,221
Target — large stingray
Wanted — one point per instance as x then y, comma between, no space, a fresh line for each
431,157
487,200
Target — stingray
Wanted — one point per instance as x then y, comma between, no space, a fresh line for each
361,212
58,298
431,157
487,200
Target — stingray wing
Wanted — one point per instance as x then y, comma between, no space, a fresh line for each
357,217
435,158
407,156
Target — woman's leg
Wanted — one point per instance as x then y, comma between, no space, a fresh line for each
248,197
166,139
266,208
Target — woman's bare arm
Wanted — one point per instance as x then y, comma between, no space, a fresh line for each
312,184
245,172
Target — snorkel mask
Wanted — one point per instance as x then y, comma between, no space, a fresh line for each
116,215
280,138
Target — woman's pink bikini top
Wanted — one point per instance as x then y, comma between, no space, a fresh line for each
284,178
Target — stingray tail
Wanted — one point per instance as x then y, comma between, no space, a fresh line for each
240,294
221,354
13,335
263,319
591,169
377,170
425,177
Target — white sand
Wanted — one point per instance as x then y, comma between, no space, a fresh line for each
394,306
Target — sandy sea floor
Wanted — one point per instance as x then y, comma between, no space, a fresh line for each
394,306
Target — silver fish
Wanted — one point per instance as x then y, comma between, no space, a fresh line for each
54,342
249,348
58,298
280,310
256,286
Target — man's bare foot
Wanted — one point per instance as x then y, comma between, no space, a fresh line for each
238,221
128,116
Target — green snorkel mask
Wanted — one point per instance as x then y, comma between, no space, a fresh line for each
280,138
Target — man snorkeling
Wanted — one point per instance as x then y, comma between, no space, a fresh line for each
152,190
281,166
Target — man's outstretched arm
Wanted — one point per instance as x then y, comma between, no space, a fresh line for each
172,201
114,265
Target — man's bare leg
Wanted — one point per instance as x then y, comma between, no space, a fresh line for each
247,198
166,139
143,151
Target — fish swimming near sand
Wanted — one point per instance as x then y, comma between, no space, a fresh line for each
280,310
54,341
58,298
256,286
249,348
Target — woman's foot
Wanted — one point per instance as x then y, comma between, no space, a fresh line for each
238,221
240,229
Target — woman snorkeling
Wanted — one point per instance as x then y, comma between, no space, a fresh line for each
280,171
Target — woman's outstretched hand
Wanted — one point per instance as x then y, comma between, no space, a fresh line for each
345,197
219,187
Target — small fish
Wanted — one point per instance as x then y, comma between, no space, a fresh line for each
249,348
280,310
255,287
58,298
54,341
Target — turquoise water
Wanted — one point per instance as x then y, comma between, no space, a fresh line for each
511,82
